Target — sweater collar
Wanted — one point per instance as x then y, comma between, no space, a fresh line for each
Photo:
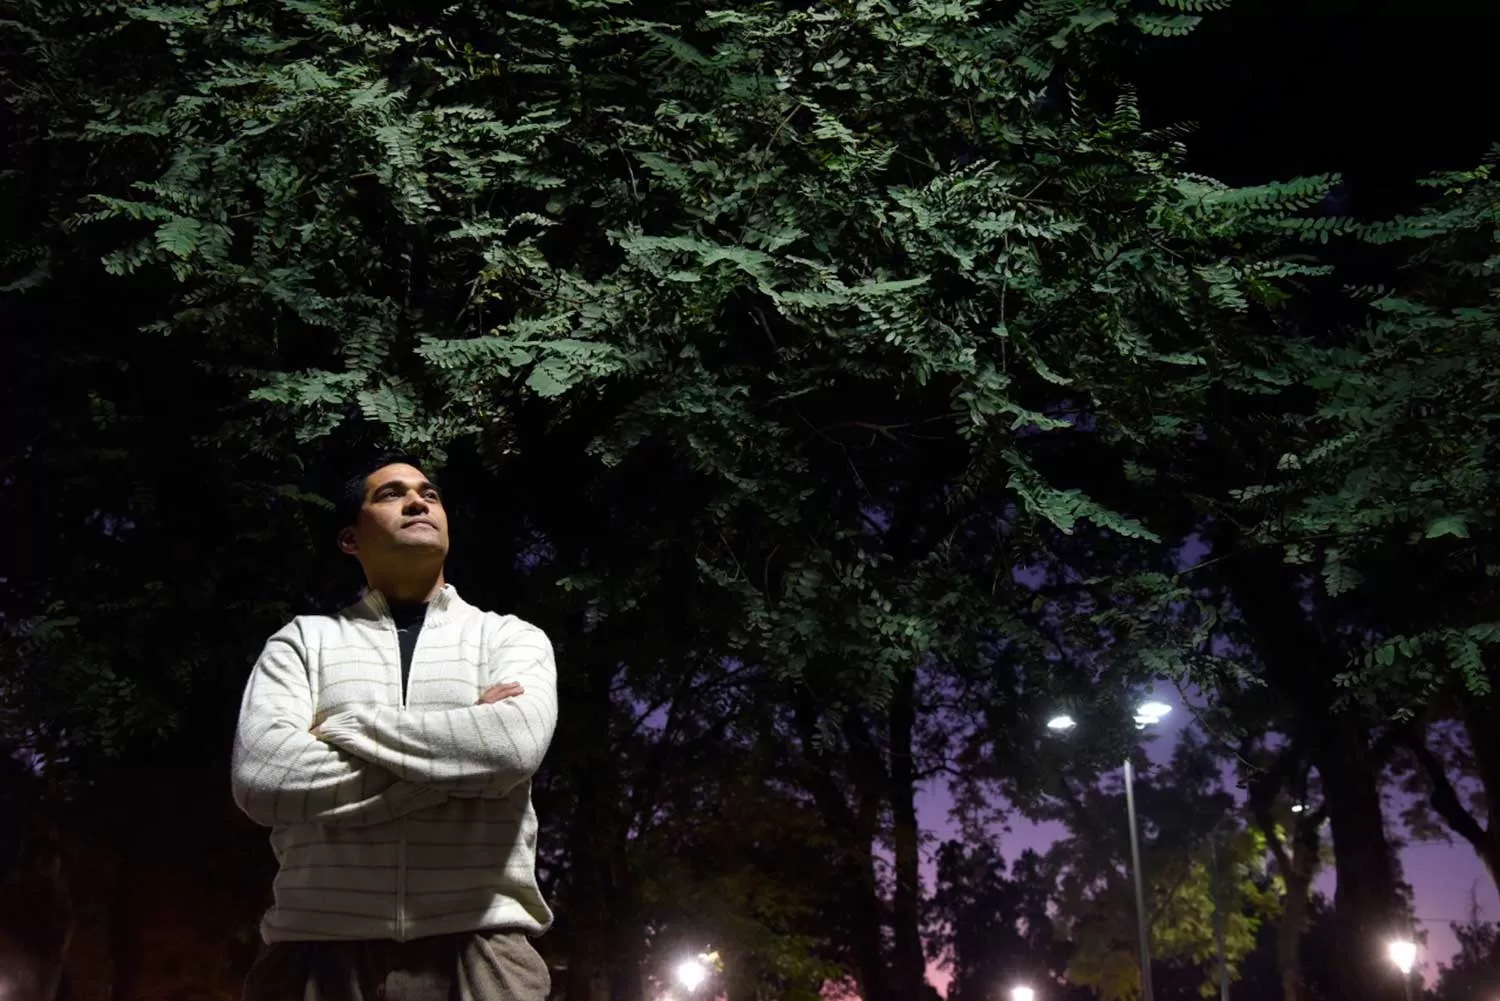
443,603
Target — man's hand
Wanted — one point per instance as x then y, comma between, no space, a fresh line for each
504,690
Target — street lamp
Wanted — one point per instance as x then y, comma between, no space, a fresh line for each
1403,953
1061,723
1146,714
691,974
1022,994
1140,886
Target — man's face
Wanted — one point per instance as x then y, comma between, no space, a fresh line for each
402,517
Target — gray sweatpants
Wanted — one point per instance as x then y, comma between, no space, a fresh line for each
474,966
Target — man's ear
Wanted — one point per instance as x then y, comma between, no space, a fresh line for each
347,542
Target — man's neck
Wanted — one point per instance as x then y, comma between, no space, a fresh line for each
408,590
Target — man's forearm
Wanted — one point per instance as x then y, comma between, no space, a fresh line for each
479,750
283,775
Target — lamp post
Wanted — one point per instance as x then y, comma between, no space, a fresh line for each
1022,994
1140,888
1220,918
1403,953
1147,714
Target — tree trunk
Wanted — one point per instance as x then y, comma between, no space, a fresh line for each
866,906
1297,863
627,982
855,827
36,916
1298,874
93,865
1367,900
594,911
1289,940
585,961
909,966
1302,658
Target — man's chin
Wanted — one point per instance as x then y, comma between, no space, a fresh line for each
425,543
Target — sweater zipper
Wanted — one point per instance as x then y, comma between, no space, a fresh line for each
401,856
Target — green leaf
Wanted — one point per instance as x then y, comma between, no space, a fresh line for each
180,236
1448,525
549,379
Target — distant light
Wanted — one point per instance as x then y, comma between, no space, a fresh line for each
1298,808
1404,954
1059,723
691,974
1149,713
1022,994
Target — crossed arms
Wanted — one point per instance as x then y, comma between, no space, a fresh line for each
372,764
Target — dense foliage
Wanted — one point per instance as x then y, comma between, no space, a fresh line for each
751,228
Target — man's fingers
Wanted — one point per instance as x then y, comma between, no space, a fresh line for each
504,690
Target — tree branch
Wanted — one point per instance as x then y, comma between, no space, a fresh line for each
1444,797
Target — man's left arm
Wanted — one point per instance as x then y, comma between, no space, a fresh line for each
484,750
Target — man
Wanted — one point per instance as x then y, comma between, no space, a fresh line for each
390,748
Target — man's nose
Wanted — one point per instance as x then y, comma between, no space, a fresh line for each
415,503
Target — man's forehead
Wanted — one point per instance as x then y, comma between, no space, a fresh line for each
398,472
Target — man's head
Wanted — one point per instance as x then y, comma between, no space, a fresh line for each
392,520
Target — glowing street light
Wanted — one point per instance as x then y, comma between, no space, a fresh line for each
1022,994
691,974
1403,953
1148,713
1061,723
1298,808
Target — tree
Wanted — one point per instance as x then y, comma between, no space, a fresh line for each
1200,863
890,230
1292,827
851,285
1472,975
1366,505
991,930
1264,969
1388,592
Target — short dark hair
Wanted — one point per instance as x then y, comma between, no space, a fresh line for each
352,494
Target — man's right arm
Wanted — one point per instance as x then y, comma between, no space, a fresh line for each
283,775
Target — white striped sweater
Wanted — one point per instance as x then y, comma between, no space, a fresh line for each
398,818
